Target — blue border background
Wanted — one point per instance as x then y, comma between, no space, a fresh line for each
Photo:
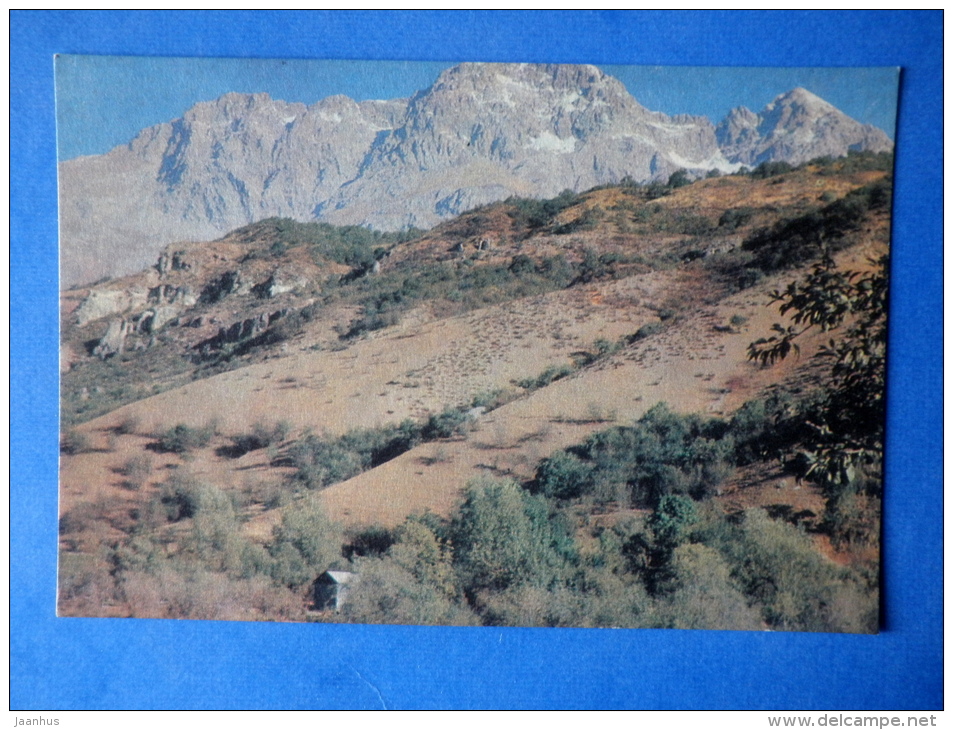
60,664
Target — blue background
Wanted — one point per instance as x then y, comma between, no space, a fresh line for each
59,664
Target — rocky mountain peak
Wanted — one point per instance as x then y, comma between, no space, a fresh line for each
481,133
795,127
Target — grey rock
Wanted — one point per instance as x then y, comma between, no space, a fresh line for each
114,341
108,302
796,127
280,282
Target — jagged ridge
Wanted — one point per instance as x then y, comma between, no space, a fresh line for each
481,133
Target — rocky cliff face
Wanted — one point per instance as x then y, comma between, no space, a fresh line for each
796,127
481,133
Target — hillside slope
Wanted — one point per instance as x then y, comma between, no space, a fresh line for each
378,376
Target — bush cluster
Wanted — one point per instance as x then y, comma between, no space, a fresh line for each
322,461
181,438
796,241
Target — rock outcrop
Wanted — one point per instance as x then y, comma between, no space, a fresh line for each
114,341
795,128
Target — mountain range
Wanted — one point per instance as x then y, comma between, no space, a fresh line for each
480,133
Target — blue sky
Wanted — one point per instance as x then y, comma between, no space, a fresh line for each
103,101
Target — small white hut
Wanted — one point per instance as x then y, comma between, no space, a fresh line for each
331,588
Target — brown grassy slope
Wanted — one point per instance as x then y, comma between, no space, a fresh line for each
407,371
424,364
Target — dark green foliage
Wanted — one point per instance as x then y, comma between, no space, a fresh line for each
664,453
763,429
374,540
735,217
671,519
563,476
533,213
304,545
797,588
354,246
656,190
260,437
321,462
490,399
75,442
180,439
844,446
795,241
771,169
679,178
854,162
378,445
127,426
462,284
522,264
446,424
700,594
549,375
587,221
502,536
646,330
137,470
412,582
597,266
182,497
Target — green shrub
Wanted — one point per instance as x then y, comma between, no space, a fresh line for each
181,439
75,442
796,587
735,217
646,330
260,437
448,423
663,453
502,536
374,540
321,462
304,544
703,595
533,213
794,241
183,497
549,375
378,445
563,476
679,178
129,425
771,169
137,470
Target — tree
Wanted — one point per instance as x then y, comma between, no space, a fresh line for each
844,452
564,476
679,179
304,545
671,520
504,536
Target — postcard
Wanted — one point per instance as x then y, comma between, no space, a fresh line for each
479,344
